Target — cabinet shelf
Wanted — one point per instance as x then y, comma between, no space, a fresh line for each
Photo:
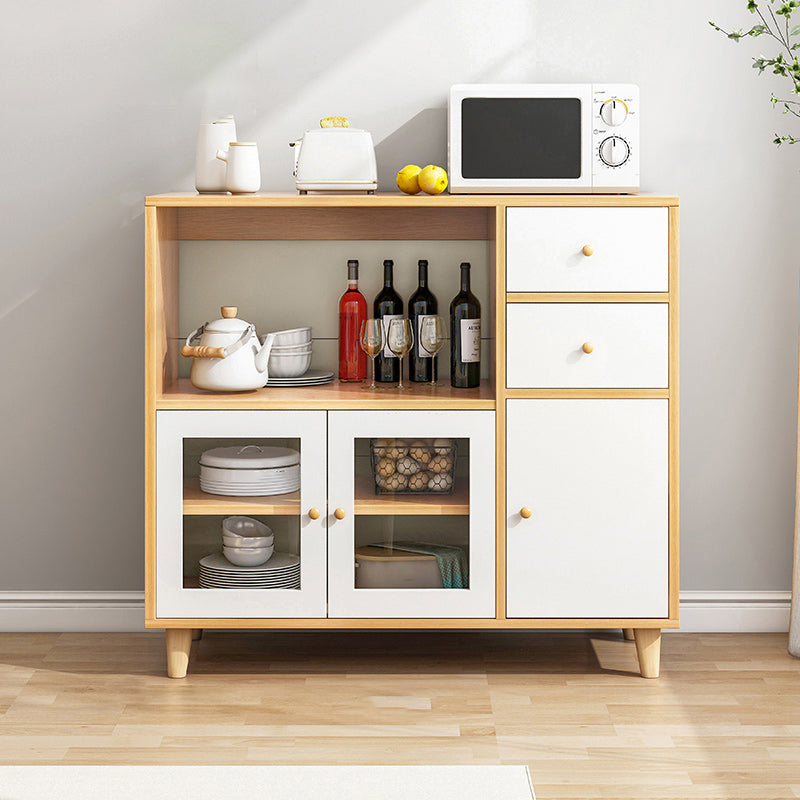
369,503
182,395
197,502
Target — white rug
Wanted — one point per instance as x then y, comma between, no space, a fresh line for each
266,783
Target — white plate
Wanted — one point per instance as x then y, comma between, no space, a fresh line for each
309,376
228,492
216,561
240,582
249,486
253,483
262,579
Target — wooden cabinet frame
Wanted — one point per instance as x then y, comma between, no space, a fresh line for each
172,218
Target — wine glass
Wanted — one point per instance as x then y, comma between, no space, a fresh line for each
432,336
371,341
400,340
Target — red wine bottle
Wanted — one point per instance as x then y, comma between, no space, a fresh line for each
388,306
421,304
465,336
352,312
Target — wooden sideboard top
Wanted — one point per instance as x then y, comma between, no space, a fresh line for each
397,200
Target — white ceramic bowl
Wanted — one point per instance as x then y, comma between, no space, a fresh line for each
292,348
293,336
247,542
247,556
245,527
288,366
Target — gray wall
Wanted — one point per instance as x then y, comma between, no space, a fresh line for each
100,104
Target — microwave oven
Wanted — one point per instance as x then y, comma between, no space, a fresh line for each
541,138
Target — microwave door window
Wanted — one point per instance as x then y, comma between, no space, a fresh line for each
521,137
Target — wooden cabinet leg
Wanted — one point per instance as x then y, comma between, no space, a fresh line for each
648,649
197,634
179,643
627,634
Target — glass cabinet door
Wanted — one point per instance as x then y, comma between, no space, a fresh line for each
241,520
412,514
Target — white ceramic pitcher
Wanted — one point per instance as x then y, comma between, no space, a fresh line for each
209,171
243,175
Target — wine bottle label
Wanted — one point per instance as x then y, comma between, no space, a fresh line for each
387,318
470,340
421,351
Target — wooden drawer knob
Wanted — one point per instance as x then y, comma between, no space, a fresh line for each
339,513
587,347
525,512
588,250
313,513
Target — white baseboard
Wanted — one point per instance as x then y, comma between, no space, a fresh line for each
79,612
735,612
39,612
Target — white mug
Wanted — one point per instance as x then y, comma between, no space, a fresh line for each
209,173
244,172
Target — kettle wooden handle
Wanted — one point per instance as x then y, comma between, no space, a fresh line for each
198,351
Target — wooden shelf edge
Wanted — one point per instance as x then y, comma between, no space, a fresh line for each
333,396
427,505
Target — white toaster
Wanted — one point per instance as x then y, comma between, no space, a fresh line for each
335,160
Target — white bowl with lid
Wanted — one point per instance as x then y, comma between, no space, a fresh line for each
248,457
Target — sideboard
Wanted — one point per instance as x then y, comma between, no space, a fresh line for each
566,484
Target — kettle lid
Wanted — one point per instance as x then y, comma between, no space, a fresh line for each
228,323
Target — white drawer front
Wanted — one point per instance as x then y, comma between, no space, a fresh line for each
544,250
545,341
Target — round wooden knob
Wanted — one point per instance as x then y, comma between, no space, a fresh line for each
339,513
525,512
587,347
588,250
229,312
313,513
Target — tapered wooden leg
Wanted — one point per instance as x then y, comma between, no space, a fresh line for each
197,634
179,643
627,634
648,649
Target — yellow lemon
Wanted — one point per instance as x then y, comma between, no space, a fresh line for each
407,179
432,179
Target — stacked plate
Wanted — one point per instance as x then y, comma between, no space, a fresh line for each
313,377
251,471
282,571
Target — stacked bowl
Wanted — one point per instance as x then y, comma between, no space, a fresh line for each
246,542
290,356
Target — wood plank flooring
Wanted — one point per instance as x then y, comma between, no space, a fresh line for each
723,721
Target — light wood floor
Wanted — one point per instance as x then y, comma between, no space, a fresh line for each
723,721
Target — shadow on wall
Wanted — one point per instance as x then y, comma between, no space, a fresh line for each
422,140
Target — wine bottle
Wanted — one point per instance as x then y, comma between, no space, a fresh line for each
388,306
421,304
352,312
465,336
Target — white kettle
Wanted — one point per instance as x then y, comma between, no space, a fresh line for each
229,356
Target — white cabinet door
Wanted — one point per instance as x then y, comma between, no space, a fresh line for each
628,345
411,555
188,521
545,250
594,473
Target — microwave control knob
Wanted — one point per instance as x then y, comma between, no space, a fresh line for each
614,151
613,112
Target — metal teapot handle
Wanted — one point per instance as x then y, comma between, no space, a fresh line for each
197,351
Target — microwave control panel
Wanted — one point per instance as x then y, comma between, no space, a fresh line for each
615,137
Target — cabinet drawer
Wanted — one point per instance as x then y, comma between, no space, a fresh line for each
629,345
544,250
